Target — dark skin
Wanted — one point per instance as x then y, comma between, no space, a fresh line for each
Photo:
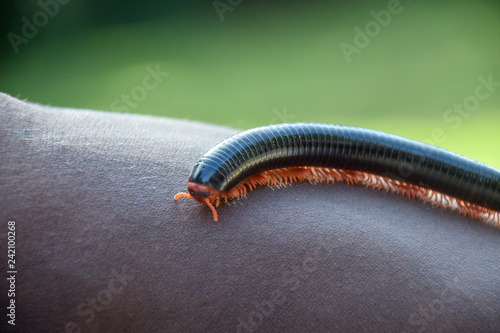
101,246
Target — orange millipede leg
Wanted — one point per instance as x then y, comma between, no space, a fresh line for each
182,194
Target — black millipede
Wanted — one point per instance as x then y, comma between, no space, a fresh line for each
286,153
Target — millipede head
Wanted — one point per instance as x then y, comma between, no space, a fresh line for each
201,193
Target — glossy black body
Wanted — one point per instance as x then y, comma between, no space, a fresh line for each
350,148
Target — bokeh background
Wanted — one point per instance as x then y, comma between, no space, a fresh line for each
413,68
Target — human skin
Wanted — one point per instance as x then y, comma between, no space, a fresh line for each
101,246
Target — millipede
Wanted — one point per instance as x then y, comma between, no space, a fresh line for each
280,154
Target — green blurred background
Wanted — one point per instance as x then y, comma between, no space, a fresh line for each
250,63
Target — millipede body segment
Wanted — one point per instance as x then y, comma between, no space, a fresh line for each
285,153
